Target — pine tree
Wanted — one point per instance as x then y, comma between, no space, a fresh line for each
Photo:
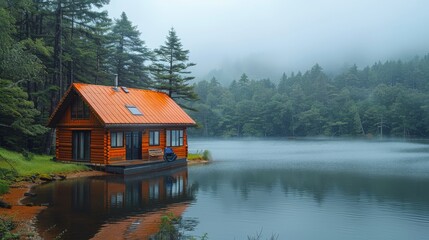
78,31
170,69
67,28
129,54
17,116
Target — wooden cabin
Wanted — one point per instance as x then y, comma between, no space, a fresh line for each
106,125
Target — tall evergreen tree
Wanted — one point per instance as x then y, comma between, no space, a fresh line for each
102,52
170,69
17,68
67,26
17,116
129,54
75,31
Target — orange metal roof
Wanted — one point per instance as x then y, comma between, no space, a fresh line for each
157,108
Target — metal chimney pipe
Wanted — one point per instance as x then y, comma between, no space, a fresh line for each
116,81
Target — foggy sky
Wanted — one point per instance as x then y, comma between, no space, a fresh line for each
265,38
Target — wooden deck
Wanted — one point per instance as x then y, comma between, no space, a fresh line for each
140,166
134,162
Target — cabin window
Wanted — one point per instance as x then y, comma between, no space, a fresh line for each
117,200
81,145
134,110
174,138
79,109
174,187
153,138
116,139
154,190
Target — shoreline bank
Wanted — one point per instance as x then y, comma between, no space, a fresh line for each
25,216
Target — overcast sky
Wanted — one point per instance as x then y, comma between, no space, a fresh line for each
267,37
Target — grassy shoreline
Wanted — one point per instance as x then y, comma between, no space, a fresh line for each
200,155
15,167
20,171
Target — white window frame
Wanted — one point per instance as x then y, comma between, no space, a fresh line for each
117,139
154,136
174,138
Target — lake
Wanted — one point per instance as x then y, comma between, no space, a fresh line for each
293,189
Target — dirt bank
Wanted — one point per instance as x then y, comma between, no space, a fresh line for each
23,215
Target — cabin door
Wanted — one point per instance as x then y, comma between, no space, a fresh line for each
81,145
133,144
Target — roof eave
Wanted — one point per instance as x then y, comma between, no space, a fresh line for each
53,118
148,125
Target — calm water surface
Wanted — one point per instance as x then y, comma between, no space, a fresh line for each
290,188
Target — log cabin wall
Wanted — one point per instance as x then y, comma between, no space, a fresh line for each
115,154
180,151
67,121
101,151
98,146
98,137
183,151
145,142
98,153
63,144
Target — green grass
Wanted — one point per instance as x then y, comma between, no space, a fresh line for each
194,156
15,165
203,155
38,164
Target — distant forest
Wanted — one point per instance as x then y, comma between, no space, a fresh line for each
46,45
385,99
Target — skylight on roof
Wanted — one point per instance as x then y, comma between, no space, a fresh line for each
134,110
125,89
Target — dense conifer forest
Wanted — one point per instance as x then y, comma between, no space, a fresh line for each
389,99
46,45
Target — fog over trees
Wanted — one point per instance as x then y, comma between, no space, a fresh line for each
385,99
45,46
264,38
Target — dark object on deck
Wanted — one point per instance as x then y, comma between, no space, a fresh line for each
169,155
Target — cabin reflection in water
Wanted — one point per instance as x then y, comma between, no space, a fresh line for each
131,194
100,207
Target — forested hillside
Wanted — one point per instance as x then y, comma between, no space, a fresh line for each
46,45
385,99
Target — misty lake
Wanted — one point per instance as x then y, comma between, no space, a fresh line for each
294,189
